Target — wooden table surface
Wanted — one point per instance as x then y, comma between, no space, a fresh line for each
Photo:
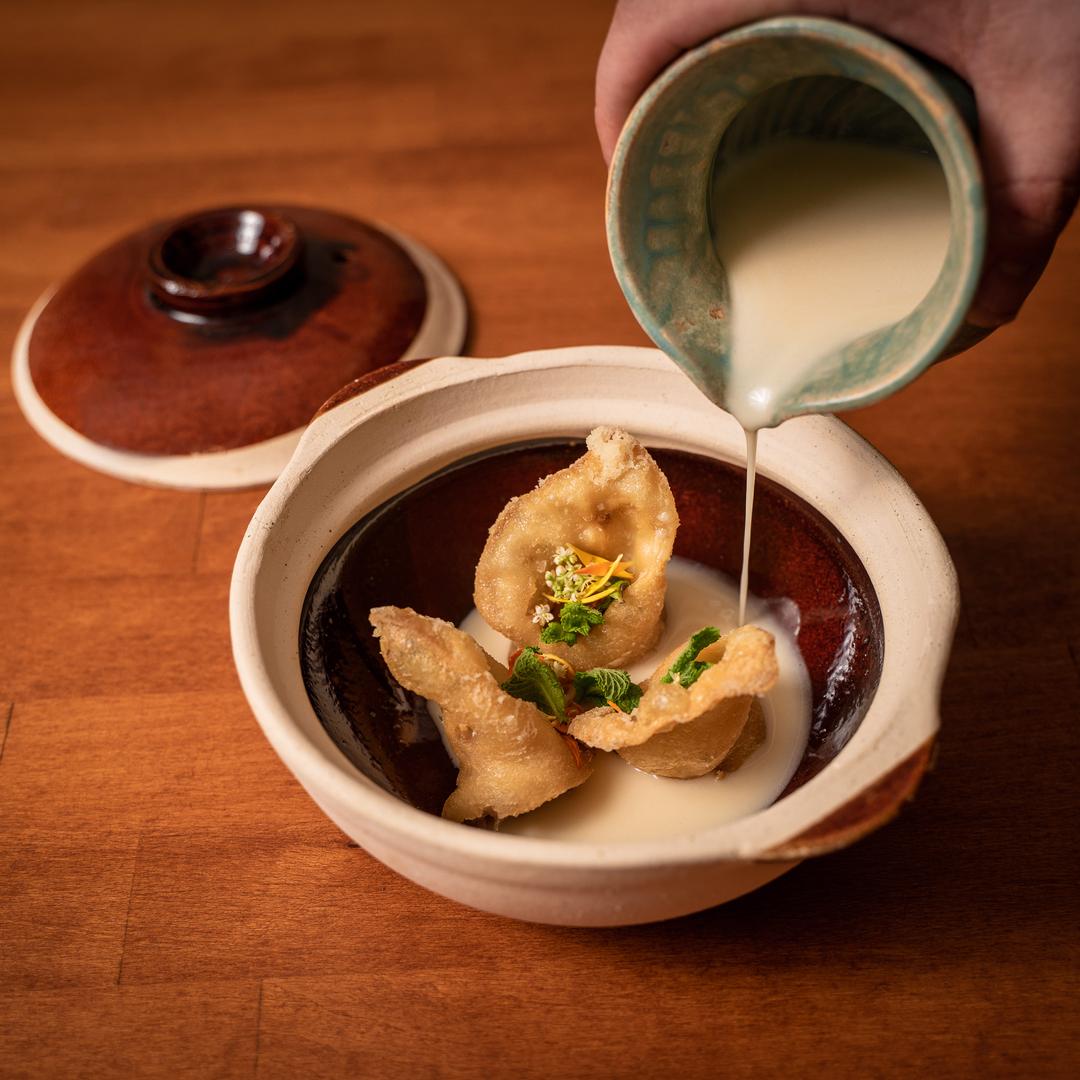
172,903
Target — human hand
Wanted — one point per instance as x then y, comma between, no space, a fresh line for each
1021,57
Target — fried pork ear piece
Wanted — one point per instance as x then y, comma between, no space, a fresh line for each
510,758
682,732
612,501
751,739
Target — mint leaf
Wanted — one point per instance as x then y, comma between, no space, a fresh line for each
575,620
687,668
554,634
579,618
598,686
532,680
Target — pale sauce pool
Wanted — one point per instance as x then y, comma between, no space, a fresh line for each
619,803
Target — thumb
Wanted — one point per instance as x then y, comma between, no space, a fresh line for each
1030,146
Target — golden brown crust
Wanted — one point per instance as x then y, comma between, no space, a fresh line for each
613,500
682,732
750,740
510,758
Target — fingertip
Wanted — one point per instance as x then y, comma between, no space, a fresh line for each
605,132
638,46
1019,247
1029,157
616,91
1000,296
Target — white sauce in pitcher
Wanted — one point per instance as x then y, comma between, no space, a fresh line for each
620,803
822,242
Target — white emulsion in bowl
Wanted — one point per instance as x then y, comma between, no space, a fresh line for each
618,803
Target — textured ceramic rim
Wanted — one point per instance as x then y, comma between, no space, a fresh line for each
441,331
821,460
948,134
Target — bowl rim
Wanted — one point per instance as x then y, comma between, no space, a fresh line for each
341,790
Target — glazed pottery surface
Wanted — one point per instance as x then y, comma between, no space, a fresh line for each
879,553
804,77
191,353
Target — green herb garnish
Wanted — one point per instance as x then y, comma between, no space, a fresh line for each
586,586
565,579
687,667
532,680
606,686
575,620
616,585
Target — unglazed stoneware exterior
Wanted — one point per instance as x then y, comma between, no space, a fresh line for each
404,423
806,77
191,354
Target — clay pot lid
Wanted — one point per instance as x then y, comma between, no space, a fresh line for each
193,352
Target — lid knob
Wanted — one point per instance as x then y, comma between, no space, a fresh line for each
222,260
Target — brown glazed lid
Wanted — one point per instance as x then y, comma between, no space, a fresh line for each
191,352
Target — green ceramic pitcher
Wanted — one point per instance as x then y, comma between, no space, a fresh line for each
804,77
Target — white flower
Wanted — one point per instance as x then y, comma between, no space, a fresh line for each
542,614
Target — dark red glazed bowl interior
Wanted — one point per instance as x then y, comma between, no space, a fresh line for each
420,550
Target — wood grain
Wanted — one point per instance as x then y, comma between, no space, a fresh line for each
171,903
148,1031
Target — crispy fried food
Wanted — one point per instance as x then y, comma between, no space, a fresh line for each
750,740
510,758
614,500
684,732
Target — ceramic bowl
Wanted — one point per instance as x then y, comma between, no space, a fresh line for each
405,450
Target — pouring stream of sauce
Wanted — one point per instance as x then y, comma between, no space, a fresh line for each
751,478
